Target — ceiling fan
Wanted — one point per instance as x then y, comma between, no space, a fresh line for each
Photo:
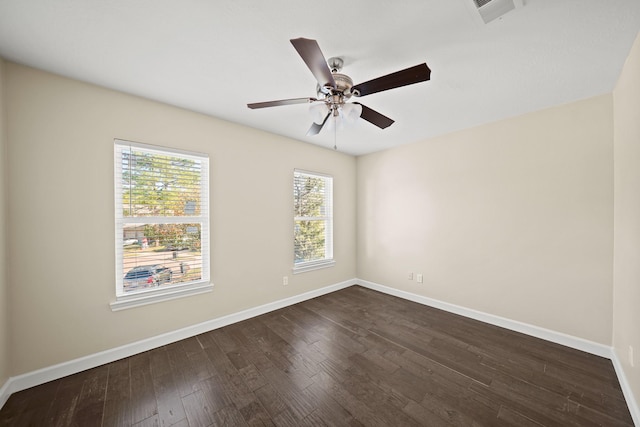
335,89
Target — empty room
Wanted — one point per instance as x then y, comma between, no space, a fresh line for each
421,213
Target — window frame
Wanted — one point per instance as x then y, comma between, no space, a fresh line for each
179,290
328,260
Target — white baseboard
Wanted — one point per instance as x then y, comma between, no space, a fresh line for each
44,375
531,330
525,328
41,376
632,403
5,393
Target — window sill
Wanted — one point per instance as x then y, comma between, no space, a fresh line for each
310,266
124,302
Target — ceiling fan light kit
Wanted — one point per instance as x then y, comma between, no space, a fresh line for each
334,89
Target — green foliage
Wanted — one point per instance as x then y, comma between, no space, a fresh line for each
309,240
159,185
309,230
174,236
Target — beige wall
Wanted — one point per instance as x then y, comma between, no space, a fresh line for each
4,306
626,308
513,218
61,234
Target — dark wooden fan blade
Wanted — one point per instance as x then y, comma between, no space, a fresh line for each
313,57
281,102
409,76
373,117
316,128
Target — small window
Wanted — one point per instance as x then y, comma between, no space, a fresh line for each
313,221
162,224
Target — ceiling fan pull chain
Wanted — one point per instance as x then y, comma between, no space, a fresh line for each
335,132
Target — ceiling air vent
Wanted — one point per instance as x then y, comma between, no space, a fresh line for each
493,9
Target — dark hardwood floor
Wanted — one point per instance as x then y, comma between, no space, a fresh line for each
355,357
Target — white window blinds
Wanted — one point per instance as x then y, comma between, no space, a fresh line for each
313,219
162,218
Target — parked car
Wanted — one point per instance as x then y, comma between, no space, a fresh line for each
129,242
145,276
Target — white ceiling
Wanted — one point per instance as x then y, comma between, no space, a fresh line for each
216,56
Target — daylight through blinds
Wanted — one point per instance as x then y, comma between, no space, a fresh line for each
160,185
161,217
313,222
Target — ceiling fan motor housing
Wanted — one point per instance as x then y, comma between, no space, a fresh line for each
343,87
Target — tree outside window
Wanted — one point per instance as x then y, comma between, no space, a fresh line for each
313,221
161,218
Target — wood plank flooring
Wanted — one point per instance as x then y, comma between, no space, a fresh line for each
355,357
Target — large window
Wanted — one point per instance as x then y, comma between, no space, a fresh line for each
313,221
162,223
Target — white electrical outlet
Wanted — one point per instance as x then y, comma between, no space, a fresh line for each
410,276
631,361
419,278
285,280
